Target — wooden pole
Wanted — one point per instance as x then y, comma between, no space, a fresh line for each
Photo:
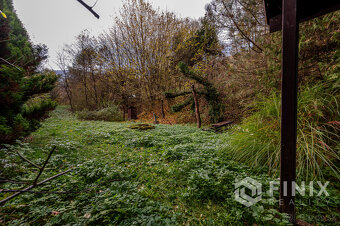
197,109
290,39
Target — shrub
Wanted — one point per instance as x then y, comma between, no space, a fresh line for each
111,114
142,127
37,108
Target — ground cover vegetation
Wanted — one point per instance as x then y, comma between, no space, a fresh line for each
130,173
167,175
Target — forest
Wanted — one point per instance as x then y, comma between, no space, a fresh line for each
126,130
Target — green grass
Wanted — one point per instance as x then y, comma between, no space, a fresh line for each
256,142
166,176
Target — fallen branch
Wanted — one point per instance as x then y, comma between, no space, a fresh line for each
50,192
2,202
14,182
27,160
43,167
40,192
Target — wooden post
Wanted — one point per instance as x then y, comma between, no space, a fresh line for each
290,39
197,109
132,113
155,119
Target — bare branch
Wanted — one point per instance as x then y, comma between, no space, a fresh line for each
27,160
37,192
42,168
89,8
2,202
239,29
10,63
14,182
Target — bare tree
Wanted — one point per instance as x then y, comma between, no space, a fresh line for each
62,62
239,18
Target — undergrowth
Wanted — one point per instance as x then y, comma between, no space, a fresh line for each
256,141
110,114
170,175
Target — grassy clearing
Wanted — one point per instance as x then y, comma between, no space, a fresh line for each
165,176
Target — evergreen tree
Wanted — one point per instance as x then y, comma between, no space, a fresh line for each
20,80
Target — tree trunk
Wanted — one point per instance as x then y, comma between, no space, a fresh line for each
70,101
85,88
94,87
197,109
68,92
162,105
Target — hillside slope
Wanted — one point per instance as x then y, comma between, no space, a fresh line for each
169,175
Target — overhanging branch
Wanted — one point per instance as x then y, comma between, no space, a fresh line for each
89,8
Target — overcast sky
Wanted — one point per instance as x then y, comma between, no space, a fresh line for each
58,22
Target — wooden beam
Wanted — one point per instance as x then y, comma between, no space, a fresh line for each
275,24
290,40
307,10
88,8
